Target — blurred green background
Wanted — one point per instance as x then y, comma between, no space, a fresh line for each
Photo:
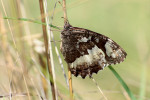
125,21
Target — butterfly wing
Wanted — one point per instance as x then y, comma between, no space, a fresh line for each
114,54
88,52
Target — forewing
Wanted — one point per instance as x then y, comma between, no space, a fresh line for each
114,54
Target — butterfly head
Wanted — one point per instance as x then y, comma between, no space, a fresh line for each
67,25
66,31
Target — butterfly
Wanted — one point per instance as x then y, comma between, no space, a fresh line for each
87,52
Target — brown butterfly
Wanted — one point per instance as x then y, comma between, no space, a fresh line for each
87,52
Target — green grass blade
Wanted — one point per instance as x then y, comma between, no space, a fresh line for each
30,20
123,83
143,82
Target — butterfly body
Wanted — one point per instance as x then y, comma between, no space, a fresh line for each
87,52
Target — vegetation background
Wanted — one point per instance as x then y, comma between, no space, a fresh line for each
126,22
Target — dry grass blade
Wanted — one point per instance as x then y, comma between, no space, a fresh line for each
16,50
70,84
19,95
47,50
65,11
8,58
50,44
54,42
38,94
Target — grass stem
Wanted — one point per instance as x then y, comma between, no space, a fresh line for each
69,72
47,50
70,84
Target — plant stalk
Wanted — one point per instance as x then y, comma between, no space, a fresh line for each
69,72
47,50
